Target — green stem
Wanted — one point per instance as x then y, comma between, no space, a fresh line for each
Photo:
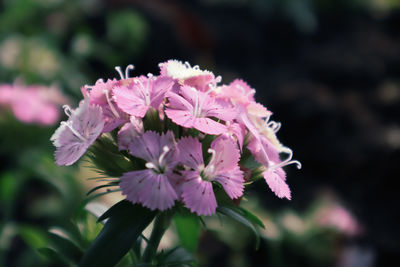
161,224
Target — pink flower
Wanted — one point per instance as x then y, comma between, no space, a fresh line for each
152,187
267,154
142,94
128,132
338,217
184,74
101,95
194,109
239,92
235,131
74,136
223,168
32,104
6,94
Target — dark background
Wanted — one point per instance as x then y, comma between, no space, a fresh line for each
328,70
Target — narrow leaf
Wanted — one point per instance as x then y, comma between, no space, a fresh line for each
124,225
232,213
188,229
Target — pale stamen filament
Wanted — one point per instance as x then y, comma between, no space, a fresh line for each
212,88
118,69
145,90
163,154
210,166
213,154
75,132
287,161
67,110
128,68
113,110
147,93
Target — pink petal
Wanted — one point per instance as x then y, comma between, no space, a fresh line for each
200,82
232,182
181,117
198,195
129,101
159,89
227,155
152,190
209,126
190,152
128,132
275,179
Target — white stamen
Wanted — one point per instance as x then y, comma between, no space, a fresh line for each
150,75
162,156
113,110
75,132
150,165
118,69
287,161
213,154
128,68
218,79
67,110
145,91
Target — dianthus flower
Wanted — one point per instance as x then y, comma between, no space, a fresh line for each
187,105
152,187
223,168
74,136
33,104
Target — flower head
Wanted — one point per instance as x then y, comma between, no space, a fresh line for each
152,187
74,136
222,168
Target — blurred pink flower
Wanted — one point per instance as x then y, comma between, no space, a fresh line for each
339,218
33,104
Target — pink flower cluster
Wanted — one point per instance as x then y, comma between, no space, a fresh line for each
32,104
180,165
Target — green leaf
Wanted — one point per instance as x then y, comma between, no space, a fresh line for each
124,225
188,229
66,247
53,256
235,213
176,257
251,217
